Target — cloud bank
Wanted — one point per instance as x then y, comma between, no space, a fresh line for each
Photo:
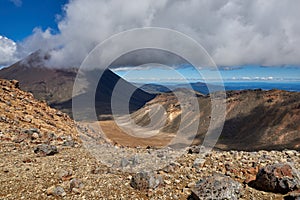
233,32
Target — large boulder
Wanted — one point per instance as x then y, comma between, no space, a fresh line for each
217,186
278,178
145,181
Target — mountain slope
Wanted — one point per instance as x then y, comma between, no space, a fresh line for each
21,115
55,85
255,119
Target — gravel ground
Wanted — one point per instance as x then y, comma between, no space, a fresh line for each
25,175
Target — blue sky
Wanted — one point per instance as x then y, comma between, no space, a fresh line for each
234,74
268,38
19,19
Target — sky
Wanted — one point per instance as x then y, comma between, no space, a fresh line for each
237,74
241,35
20,17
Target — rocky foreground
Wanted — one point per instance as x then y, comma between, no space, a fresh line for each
73,173
42,157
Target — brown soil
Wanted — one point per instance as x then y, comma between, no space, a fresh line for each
116,135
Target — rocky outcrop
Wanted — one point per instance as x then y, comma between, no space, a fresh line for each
217,186
277,178
23,119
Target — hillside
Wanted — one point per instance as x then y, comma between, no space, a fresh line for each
23,118
255,119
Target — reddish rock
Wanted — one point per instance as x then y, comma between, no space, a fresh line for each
24,119
250,174
28,160
277,178
249,178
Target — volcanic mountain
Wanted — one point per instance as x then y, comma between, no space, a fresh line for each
55,85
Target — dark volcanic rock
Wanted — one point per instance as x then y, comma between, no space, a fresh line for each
277,178
45,150
194,149
145,180
217,186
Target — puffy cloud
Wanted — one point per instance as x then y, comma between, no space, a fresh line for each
233,32
17,3
8,51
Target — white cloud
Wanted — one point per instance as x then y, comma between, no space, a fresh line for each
17,3
234,32
257,78
246,78
8,51
120,69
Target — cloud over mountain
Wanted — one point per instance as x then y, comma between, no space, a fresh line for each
8,51
233,32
